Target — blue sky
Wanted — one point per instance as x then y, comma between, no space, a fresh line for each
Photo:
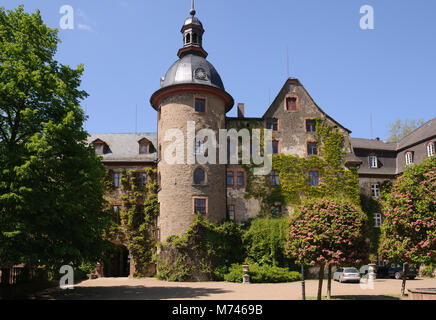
127,45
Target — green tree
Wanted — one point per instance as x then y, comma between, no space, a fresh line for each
400,129
408,233
51,189
327,232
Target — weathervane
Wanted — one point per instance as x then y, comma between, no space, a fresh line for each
192,9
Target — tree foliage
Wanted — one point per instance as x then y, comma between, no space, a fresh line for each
51,192
400,129
409,226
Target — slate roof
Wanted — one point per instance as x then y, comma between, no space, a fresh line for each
125,147
424,132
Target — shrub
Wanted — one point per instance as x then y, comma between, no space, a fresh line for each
262,274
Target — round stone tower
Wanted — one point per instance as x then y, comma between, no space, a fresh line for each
191,98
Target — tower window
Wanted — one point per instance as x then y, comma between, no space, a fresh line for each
312,148
195,38
200,205
199,176
291,104
188,38
200,105
314,178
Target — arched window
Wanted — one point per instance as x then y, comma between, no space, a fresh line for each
431,150
195,38
199,176
188,38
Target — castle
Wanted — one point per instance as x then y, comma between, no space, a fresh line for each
192,91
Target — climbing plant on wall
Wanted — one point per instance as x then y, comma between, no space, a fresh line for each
138,216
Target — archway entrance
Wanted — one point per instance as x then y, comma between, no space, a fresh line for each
117,263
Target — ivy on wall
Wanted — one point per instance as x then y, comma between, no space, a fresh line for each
335,180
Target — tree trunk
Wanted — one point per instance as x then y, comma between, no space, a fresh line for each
329,282
321,279
403,286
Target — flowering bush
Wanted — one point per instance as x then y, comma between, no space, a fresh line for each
326,232
409,227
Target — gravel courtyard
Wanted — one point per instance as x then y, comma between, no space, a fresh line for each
153,289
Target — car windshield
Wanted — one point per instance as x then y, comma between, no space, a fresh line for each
351,270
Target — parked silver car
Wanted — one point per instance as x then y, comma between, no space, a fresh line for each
347,274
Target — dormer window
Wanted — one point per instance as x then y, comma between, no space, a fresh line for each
145,147
431,150
373,162
409,158
99,146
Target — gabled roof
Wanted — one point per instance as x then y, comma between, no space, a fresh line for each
373,144
297,82
425,132
125,146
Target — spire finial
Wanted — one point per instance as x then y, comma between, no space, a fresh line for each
192,12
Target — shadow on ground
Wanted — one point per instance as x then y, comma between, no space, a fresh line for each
129,293
379,297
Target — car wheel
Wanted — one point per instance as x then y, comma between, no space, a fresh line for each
397,275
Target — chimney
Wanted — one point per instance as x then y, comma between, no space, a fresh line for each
241,110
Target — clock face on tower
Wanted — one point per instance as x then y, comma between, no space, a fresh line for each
200,74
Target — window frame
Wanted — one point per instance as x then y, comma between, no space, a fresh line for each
306,125
272,120
235,178
117,174
378,220
274,176
373,156
317,177
234,211
204,182
199,97
431,147
206,199
279,146
311,142
297,104
375,190
409,158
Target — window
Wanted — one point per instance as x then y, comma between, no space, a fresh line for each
116,215
200,105
431,150
230,178
143,148
276,147
195,38
98,148
375,190
291,104
199,147
142,179
231,209
200,205
272,124
409,158
241,178
276,211
377,220
314,178
188,38
373,162
312,148
199,176
274,178
310,125
117,177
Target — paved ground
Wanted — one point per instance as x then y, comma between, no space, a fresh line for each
153,289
